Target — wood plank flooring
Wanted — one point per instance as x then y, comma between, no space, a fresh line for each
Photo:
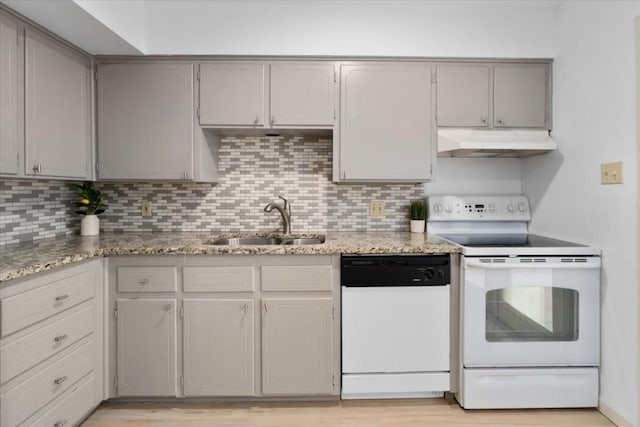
361,413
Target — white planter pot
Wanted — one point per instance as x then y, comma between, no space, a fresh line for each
90,225
417,225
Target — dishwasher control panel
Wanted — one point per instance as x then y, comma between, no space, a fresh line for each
395,270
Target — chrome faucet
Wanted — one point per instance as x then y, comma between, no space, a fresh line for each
285,211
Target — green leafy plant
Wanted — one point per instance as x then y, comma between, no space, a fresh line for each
418,210
90,199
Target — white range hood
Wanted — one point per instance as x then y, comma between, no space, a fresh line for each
493,143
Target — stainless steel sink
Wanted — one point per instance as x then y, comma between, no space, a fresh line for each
241,241
303,241
270,241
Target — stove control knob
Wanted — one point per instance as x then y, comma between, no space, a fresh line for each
437,207
430,273
440,273
511,207
522,207
448,208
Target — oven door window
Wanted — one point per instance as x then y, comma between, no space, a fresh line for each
531,313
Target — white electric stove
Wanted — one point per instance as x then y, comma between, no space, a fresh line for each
529,307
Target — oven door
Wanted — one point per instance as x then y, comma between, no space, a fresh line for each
539,311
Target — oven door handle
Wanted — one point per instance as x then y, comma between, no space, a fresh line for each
530,266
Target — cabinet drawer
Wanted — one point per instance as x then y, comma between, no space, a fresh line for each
19,311
71,408
147,279
26,352
296,278
218,279
26,398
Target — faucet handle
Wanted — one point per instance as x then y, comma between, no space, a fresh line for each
286,203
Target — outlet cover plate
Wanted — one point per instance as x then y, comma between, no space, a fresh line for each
376,208
611,173
145,208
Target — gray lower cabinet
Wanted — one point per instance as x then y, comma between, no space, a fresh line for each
219,353
9,123
57,109
146,347
233,325
386,128
297,346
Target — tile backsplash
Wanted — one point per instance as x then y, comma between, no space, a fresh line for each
253,172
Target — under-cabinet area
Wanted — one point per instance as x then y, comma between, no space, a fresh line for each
232,325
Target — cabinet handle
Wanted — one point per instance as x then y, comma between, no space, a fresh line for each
500,121
483,119
144,281
245,308
60,380
266,307
167,307
61,298
255,122
273,120
60,423
60,338
37,168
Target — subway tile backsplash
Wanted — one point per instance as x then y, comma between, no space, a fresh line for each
253,172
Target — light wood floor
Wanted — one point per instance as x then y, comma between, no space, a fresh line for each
371,413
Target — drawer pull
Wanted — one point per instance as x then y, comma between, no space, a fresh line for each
60,338
60,423
61,298
144,281
60,380
167,307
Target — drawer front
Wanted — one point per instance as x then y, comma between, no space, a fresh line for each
26,352
21,401
218,279
296,278
147,279
19,311
72,408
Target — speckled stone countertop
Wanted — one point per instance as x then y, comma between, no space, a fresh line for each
19,260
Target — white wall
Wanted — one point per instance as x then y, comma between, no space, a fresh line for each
594,122
463,176
347,27
125,18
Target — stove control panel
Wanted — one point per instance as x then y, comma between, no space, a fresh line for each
478,208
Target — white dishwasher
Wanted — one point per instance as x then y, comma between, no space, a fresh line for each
395,326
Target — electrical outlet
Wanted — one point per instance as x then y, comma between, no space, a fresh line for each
376,208
145,209
611,173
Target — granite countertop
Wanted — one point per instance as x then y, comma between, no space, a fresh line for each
22,259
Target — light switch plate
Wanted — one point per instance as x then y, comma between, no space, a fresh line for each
376,208
611,173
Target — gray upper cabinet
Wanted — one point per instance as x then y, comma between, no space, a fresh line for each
463,95
263,95
9,121
145,121
57,109
233,94
302,94
520,96
493,95
386,123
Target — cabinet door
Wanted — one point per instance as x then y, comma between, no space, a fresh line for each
57,109
233,94
145,121
520,96
218,347
146,347
463,95
386,129
9,125
302,94
297,346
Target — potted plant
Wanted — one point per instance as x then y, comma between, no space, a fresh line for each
90,205
417,213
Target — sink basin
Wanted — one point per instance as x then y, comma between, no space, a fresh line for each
270,241
241,241
303,241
